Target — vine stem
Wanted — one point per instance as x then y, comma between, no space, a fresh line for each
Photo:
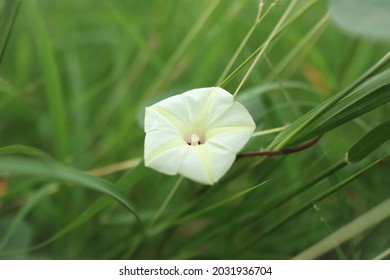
281,152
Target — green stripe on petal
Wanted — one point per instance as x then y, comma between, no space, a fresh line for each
164,148
220,130
181,126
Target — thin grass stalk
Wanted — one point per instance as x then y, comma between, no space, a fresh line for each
266,44
27,207
258,20
165,202
312,34
54,91
291,20
162,76
214,206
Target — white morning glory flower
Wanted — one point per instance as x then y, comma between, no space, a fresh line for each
196,134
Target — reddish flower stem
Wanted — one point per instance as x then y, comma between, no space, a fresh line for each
281,152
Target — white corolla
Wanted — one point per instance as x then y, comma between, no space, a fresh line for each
196,134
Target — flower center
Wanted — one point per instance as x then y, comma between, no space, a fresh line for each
194,140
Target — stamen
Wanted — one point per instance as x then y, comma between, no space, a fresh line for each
195,140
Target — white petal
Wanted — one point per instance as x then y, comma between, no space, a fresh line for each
219,101
232,129
236,115
210,103
163,139
196,165
167,161
195,108
158,118
159,141
221,159
184,107
203,163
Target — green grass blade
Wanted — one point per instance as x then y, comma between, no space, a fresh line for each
359,89
358,151
24,150
283,198
357,226
59,172
84,217
360,107
280,31
303,46
130,28
91,211
373,93
129,179
7,18
315,200
167,69
252,219
32,200
369,142
267,43
218,204
383,255
54,91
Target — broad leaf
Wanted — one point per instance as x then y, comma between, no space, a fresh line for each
366,18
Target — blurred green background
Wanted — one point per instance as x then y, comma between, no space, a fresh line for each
75,77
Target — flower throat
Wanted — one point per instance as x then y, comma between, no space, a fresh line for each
194,140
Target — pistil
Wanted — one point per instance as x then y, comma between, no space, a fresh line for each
194,140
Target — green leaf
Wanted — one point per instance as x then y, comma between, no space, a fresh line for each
304,207
129,178
373,93
24,150
54,90
7,18
55,171
274,38
218,204
366,18
369,142
367,93
369,219
19,241
84,217
128,26
28,205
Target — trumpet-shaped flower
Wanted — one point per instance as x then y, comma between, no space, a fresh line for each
196,134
